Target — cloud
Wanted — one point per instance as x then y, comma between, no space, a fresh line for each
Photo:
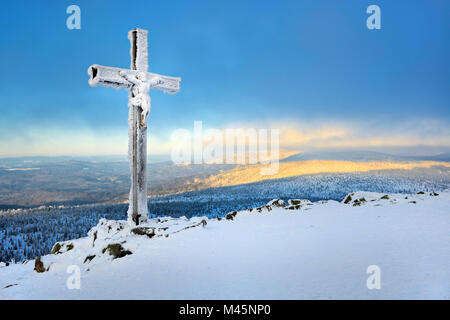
294,135
55,141
380,134
358,134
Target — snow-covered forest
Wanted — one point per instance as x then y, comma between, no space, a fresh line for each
294,250
27,233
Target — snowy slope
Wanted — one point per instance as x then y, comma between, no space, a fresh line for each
315,250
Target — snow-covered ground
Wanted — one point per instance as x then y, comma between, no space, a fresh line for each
315,250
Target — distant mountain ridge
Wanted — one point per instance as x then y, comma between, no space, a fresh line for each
360,156
35,181
439,157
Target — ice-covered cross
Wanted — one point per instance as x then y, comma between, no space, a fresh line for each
138,81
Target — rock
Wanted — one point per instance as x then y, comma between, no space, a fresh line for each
116,250
89,258
348,199
144,231
39,265
260,209
61,248
56,248
420,192
230,216
385,197
296,202
277,203
358,202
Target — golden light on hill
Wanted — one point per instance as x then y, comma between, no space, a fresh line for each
252,173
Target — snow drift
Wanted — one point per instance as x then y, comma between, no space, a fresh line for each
294,250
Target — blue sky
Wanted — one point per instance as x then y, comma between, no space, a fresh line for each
310,66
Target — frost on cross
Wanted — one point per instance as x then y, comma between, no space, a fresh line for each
138,81
140,97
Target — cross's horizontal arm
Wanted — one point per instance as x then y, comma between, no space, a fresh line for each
111,77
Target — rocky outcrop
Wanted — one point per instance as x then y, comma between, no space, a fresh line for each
39,265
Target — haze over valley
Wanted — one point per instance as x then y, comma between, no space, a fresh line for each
36,181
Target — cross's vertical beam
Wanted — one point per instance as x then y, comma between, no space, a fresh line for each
138,81
137,145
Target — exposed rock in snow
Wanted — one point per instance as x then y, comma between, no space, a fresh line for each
39,265
295,202
304,250
277,203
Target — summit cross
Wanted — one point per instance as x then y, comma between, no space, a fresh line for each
138,82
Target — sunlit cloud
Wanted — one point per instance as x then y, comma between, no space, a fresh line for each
294,135
356,134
